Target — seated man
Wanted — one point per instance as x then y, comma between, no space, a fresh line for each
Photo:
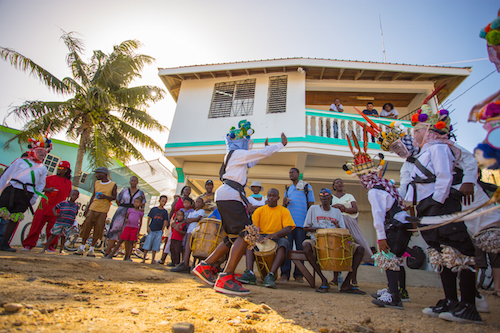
274,222
324,216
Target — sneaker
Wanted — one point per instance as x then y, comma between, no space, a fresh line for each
91,253
379,293
282,280
107,257
205,272
52,248
299,279
181,268
248,277
269,281
127,259
26,248
403,294
49,251
170,264
482,305
463,313
78,252
443,305
386,300
227,284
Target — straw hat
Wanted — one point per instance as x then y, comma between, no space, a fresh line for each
256,183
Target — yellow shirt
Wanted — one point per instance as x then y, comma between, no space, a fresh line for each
272,219
102,205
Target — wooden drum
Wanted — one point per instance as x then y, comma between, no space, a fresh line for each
264,256
206,237
334,249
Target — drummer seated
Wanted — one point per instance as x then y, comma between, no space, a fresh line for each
193,217
275,223
325,216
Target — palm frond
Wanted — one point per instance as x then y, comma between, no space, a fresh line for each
139,96
73,85
136,136
75,46
140,119
27,65
37,109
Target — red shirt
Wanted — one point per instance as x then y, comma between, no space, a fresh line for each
177,235
63,186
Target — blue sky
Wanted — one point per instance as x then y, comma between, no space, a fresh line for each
180,33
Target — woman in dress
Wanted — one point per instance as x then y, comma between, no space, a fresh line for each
347,205
125,200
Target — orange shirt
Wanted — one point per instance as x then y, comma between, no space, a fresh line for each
272,219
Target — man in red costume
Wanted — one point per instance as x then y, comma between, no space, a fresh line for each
57,189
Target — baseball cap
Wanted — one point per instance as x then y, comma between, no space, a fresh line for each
209,182
324,192
64,164
102,169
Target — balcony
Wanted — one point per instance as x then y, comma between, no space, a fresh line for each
333,127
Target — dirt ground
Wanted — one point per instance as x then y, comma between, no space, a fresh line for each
80,294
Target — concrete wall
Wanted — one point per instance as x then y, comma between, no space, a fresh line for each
191,122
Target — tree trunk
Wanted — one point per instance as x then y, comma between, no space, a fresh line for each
84,138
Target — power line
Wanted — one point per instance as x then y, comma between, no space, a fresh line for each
459,62
471,87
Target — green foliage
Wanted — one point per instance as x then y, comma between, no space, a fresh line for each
106,115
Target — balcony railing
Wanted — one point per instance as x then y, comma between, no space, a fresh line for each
337,125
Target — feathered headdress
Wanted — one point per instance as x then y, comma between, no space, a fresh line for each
492,31
239,138
40,142
362,163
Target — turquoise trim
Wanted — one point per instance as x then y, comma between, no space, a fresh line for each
180,175
349,116
308,138
301,176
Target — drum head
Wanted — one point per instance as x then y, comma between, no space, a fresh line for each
493,138
334,231
267,246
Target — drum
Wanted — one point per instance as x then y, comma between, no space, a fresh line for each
334,248
206,237
264,256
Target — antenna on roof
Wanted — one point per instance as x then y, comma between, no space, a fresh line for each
382,35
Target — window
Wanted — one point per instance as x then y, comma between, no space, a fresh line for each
232,99
51,162
276,97
83,177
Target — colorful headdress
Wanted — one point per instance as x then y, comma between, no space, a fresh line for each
487,153
40,142
363,163
239,138
439,122
492,32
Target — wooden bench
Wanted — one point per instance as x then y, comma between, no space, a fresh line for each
297,257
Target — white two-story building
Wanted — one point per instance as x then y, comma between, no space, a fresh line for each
292,96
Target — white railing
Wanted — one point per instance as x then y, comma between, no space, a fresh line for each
337,125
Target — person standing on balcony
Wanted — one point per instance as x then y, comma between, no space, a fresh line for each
389,111
336,107
298,198
370,111
231,204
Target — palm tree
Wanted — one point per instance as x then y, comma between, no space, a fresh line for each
104,113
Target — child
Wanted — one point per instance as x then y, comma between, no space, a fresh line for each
65,218
192,220
133,221
178,231
157,222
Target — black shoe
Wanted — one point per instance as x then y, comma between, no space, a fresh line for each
386,300
7,248
463,313
443,305
170,264
181,268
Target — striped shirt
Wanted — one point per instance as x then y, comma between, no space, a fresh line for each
67,211
298,203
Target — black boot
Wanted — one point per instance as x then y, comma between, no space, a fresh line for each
9,230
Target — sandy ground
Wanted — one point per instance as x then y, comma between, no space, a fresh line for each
80,294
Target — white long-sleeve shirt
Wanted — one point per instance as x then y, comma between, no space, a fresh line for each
381,202
236,169
438,159
21,171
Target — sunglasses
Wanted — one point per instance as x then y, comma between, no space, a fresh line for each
324,194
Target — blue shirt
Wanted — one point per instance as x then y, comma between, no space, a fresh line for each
215,214
298,203
370,113
158,217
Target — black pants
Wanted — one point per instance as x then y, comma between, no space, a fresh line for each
15,200
175,251
234,218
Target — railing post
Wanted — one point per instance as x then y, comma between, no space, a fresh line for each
316,126
308,125
324,126
333,121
